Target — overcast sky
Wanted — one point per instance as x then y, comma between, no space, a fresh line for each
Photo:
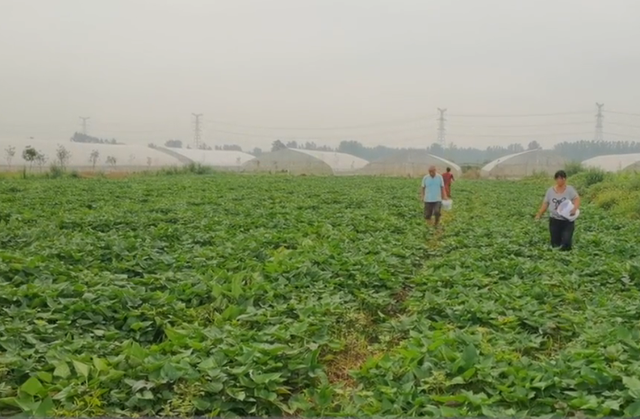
139,68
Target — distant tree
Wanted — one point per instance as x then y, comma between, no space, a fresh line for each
40,159
62,156
9,153
93,158
29,154
173,144
229,147
436,149
583,150
257,151
111,161
277,145
149,161
132,159
292,144
79,137
578,150
515,148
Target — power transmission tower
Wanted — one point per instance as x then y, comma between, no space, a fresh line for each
441,129
84,124
197,133
599,117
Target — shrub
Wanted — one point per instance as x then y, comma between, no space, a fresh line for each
195,168
608,199
573,168
472,173
55,171
587,178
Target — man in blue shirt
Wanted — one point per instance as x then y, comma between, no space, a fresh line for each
432,193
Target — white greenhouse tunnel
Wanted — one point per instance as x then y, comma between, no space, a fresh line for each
305,162
214,158
339,162
80,155
614,162
524,164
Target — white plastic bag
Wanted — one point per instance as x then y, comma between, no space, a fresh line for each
447,204
565,209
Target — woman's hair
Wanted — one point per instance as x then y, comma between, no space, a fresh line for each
560,174
448,169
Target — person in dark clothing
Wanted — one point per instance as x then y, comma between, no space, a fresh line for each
560,228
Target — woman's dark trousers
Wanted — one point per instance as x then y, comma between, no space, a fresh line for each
561,233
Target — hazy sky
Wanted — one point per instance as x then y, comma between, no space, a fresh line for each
139,68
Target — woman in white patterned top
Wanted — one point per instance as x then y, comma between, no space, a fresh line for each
560,228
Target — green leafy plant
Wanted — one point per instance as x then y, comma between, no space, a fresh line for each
268,296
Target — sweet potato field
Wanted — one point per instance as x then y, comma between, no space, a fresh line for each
268,296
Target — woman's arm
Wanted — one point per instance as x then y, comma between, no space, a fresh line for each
542,209
576,202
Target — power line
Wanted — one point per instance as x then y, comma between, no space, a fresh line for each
623,113
622,135
148,131
375,124
321,137
623,125
520,135
519,125
516,115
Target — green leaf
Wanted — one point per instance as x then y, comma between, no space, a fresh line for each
324,396
9,401
45,408
81,368
633,410
469,356
32,386
146,395
202,404
633,384
265,378
100,364
236,286
28,405
62,370
213,387
236,393
612,404
45,376
170,372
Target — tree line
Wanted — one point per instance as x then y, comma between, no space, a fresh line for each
573,151
79,137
